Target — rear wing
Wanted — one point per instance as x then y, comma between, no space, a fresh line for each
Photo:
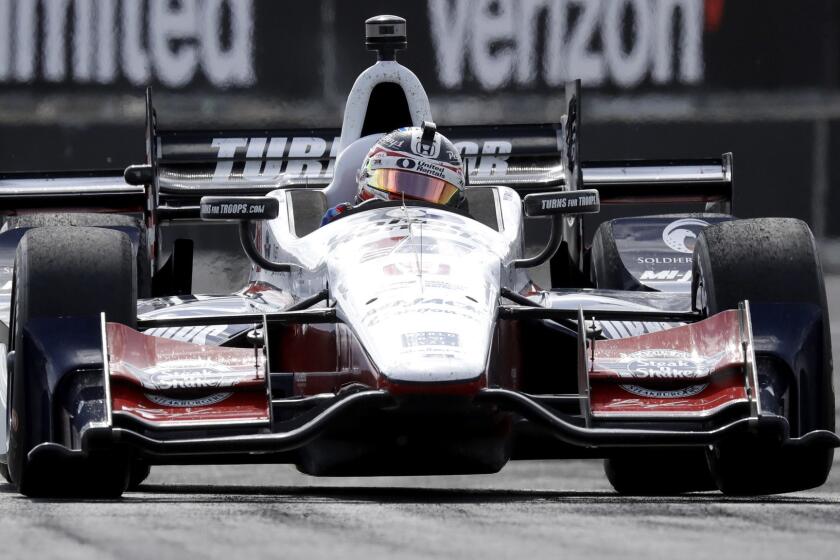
262,160
186,164
183,165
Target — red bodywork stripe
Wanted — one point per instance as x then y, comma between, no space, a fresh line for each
167,382
694,370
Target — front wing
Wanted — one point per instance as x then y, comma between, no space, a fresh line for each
171,401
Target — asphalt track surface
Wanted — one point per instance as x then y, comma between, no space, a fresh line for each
535,509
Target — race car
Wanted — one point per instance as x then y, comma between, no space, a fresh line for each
690,351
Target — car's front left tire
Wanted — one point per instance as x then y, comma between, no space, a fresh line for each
60,272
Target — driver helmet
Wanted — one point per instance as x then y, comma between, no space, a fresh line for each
413,163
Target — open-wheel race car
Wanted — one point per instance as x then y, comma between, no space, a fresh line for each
690,351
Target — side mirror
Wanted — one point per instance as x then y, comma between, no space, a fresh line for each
585,201
240,208
557,204
245,209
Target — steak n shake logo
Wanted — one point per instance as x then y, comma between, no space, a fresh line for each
191,374
684,374
662,364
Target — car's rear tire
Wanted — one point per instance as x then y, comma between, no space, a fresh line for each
607,270
765,260
644,472
67,271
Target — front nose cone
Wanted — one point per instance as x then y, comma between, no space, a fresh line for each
433,341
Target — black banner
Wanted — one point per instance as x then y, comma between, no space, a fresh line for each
304,49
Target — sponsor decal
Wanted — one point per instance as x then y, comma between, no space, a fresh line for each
270,158
438,171
209,400
425,149
491,158
430,168
237,208
663,364
664,260
665,394
666,364
666,275
430,338
568,202
406,213
393,141
680,235
190,374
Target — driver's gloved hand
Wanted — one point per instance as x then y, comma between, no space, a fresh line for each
334,212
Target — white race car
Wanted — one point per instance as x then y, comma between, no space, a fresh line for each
690,351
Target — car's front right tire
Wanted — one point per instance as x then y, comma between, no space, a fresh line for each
768,260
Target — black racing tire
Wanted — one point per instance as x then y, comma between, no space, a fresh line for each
66,271
659,472
765,260
138,473
92,219
607,270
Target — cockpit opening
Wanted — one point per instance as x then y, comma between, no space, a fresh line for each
387,109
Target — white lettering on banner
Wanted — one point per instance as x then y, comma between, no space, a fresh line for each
627,68
5,31
449,23
304,158
229,65
138,40
691,42
308,148
496,41
276,148
24,34
106,53
494,155
227,149
174,25
491,61
54,66
135,60
583,63
255,152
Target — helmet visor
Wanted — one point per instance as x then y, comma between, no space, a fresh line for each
415,186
